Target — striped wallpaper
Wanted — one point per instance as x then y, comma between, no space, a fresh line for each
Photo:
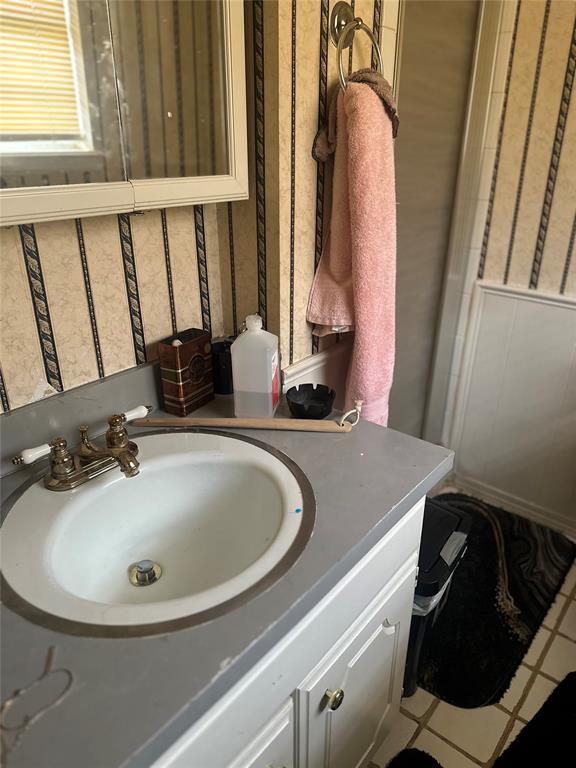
82,299
307,78
530,224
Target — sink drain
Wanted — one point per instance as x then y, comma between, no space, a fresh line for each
144,572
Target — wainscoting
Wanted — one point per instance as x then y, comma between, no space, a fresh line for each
514,428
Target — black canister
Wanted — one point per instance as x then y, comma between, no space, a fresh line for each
222,366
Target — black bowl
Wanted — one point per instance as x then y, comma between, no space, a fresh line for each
309,401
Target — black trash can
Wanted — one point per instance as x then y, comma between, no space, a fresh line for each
444,540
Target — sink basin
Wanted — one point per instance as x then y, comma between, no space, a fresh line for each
212,519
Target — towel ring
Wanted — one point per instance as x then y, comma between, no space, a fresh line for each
343,26
353,26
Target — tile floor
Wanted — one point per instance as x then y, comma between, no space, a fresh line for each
466,738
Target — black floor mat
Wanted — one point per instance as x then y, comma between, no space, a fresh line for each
547,740
499,596
412,758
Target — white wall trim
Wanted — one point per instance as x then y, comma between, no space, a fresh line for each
486,286
476,162
454,426
510,503
308,369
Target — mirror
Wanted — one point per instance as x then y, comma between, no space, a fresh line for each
170,68
59,121
112,90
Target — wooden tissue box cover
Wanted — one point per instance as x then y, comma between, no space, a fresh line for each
186,371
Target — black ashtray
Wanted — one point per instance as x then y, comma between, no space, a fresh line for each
309,401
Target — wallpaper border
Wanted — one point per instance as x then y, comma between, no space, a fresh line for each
40,304
490,208
260,109
527,138
169,281
131,279
202,267
554,162
89,298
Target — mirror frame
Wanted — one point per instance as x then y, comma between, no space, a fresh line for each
23,205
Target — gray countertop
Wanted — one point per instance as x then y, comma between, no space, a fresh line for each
131,698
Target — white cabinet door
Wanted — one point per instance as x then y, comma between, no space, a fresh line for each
366,665
273,746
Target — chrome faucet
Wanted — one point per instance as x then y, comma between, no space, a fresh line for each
68,471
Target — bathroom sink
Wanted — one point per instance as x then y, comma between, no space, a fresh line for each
211,520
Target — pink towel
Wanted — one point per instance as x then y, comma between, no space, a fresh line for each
354,287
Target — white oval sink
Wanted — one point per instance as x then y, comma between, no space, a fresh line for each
222,516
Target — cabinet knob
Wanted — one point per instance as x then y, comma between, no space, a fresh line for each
335,698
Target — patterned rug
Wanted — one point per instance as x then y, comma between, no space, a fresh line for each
499,596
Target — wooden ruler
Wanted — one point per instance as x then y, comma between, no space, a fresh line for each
292,425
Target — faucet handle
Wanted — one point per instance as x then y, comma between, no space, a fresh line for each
116,435
140,412
30,455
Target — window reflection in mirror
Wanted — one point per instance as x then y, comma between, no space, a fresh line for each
59,120
170,67
110,90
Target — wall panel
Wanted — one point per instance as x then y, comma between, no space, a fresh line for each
520,451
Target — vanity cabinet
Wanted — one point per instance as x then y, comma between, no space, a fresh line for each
328,692
348,700
273,747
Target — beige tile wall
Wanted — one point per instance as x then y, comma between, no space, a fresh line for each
80,302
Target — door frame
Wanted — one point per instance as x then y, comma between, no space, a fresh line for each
477,155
